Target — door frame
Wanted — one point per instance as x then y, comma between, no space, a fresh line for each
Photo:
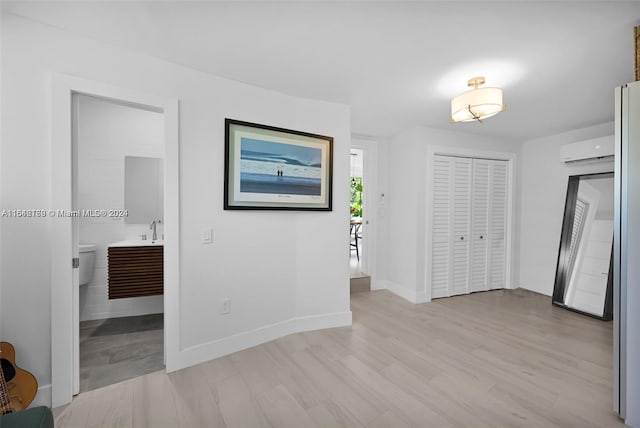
432,151
64,313
369,147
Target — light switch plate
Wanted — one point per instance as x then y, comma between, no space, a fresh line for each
225,306
207,236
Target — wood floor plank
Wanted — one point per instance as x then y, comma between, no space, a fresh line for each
403,403
410,381
196,405
113,406
75,414
237,405
329,414
218,369
282,410
336,388
257,368
306,393
389,419
153,403
492,359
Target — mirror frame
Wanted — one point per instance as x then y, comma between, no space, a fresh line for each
565,242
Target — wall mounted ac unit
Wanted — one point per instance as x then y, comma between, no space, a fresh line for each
598,149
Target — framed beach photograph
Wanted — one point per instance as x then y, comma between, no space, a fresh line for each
269,168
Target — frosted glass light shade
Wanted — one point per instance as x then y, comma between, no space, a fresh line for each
476,104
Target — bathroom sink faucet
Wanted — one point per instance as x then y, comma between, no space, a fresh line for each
153,227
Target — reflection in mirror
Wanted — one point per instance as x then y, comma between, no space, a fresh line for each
584,275
143,189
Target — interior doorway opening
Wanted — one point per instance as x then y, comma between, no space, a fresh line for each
118,175
364,206
356,209
65,248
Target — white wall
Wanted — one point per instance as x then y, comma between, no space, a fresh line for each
403,242
382,211
284,271
543,189
107,132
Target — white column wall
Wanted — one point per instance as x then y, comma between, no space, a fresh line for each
284,271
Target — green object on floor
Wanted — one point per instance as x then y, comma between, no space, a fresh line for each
36,417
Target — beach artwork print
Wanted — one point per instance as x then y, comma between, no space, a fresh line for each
276,169
283,169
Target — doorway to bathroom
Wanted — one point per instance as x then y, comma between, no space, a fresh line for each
65,229
119,193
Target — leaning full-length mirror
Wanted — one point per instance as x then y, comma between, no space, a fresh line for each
584,275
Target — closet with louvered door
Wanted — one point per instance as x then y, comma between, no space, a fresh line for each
469,214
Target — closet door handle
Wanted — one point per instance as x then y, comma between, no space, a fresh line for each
462,238
481,237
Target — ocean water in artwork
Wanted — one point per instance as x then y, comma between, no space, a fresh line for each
275,168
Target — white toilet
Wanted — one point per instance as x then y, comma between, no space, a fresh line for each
87,262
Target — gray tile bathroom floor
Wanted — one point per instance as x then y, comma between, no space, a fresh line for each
116,349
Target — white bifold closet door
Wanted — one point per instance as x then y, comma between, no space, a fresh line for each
469,225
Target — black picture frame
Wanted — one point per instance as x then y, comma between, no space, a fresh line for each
562,267
271,168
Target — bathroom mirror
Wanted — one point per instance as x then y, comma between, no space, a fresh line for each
584,275
143,189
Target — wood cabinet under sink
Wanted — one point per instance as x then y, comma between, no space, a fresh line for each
135,271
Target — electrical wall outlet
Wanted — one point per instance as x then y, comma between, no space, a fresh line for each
225,306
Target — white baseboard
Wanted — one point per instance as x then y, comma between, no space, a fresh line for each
421,297
218,348
412,296
43,396
547,292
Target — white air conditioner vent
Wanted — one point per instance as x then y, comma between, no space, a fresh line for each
597,149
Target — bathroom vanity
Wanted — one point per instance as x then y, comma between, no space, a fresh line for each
135,269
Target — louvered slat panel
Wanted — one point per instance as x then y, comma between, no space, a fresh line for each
469,225
135,271
441,226
461,215
497,224
479,225
578,218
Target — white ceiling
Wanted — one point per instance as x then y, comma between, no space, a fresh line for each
397,64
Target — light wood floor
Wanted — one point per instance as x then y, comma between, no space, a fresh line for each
501,358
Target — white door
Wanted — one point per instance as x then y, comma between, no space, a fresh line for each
451,216
461,204
497,262
479,225
441,234
468,248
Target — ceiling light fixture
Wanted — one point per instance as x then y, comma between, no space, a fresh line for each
478,103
